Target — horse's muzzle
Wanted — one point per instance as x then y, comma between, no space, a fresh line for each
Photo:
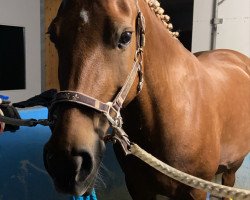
70,170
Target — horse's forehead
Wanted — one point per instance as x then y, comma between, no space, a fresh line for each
123,6
108,6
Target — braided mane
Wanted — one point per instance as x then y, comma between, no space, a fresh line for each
159,12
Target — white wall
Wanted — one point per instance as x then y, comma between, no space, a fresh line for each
25,13
202,29
233,33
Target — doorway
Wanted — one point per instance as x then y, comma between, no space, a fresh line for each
181,14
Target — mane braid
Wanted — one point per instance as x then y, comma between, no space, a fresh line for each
159,12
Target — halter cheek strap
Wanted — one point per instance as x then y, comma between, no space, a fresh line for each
111,109
108,109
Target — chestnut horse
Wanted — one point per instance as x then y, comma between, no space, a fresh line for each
192,113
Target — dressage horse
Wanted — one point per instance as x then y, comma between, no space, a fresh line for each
193,111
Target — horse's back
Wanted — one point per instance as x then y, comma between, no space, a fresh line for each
223,57
229,75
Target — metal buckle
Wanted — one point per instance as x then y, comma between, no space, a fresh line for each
139,59
121,137
118,135
123,141
114,121
141,29
141,79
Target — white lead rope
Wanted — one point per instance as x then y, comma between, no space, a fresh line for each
192,181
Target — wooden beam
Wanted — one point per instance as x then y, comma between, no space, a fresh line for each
51,57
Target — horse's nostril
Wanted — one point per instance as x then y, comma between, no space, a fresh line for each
83,163
68,168
87,162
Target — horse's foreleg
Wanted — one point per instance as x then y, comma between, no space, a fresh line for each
138,192
196,194
228,177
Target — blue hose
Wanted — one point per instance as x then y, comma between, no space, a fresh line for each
92,196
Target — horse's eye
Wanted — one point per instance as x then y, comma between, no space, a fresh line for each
125,39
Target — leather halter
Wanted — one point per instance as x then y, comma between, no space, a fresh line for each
112,109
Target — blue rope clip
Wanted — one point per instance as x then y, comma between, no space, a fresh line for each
92,196
4,97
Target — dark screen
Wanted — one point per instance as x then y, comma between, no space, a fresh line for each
12,58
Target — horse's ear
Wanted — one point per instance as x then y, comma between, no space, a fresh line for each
62,5
64,2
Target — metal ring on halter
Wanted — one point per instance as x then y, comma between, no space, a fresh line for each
139,55
139,60
115,121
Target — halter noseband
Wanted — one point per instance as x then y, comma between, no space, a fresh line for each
112,109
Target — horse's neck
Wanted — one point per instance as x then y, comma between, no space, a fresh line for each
166,60
166,64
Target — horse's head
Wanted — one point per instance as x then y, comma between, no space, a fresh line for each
96,42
